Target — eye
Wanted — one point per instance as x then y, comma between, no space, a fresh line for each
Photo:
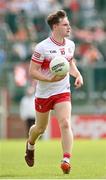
68,25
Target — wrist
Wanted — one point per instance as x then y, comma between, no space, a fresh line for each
78,75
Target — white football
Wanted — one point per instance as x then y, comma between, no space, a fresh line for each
59,65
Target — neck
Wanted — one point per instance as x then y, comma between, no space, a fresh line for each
57,38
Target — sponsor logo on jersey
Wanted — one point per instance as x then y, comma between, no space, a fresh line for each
53,51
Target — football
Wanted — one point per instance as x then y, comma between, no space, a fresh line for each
59,66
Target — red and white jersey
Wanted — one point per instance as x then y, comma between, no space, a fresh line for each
44,52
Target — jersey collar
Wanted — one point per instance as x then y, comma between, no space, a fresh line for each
57,43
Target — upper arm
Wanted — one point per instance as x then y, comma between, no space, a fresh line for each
33,67
38,54
36,59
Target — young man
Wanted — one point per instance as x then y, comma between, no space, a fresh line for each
53,92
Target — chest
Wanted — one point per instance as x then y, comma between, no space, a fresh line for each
53,51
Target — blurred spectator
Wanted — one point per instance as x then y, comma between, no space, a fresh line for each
88,12
26,30
11,20
5,32
3,6
27,110
54,5
100,5
72,7
2,59
75,9
47,6
2,56
44,8
17,5
98,33
19,51
92,55
102,48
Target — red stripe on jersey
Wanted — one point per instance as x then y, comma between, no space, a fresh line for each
44,64
57,43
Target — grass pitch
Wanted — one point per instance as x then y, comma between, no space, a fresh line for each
88,162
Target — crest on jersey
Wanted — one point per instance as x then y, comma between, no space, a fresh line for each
62,50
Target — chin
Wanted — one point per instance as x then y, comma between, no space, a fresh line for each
67,35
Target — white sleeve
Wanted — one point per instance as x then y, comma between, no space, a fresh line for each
38,55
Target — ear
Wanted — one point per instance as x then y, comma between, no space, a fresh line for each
54,26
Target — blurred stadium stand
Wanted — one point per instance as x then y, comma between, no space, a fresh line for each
22,25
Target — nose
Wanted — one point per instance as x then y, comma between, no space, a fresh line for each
69,27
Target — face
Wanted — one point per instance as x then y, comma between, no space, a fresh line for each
63,29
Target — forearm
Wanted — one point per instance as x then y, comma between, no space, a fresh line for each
35,74
74,70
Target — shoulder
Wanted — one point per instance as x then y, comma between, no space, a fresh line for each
70,42
42,44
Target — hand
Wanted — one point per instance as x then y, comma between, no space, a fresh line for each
78,82
55,78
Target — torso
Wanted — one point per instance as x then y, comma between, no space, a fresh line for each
43,54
